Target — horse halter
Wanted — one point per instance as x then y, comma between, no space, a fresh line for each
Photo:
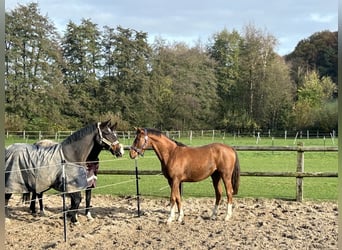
140,150
104,140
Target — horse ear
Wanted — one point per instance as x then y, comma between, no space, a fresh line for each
113,127
106,123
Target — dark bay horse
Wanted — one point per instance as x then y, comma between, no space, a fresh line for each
92,170
31,168
180,163
92,164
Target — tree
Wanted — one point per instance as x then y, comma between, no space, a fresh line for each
254,86
315,90
279,94
313,97
126,73
318,52
236,81
225,49
162,92
82,56
185,86
33,68
257,53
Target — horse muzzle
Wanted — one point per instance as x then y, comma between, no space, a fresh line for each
117,150
134,152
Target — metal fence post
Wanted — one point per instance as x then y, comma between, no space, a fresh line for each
300,169
137,186
63,196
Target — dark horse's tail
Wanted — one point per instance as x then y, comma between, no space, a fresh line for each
236,175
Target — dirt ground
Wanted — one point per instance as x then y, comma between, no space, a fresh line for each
256,224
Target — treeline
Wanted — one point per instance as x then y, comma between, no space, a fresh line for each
234,81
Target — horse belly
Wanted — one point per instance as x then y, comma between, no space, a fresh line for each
198,171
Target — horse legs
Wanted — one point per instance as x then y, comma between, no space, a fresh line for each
216,178
7,197
25,198
179,203
172,204
32,200
229,190
75,203
41,206
33,203
88,199
175,199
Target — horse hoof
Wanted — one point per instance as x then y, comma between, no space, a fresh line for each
213,217
89,217
227,218
181,222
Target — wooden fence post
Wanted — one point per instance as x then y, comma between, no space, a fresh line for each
300,168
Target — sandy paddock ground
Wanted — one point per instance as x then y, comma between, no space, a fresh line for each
256,224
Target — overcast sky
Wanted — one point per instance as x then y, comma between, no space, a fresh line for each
289,21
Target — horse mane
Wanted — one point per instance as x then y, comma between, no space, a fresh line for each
79,134
159,133
154,131
179,143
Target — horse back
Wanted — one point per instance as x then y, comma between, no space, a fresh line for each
29,167
217,151
197,163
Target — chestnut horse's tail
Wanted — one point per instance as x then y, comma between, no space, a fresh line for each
236,175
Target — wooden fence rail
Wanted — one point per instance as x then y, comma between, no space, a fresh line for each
299,174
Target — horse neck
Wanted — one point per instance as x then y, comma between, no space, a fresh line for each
94,153
162,146
78,151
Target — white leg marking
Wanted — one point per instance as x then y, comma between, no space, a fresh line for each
181,215
77,222
89,217
229,211
172,214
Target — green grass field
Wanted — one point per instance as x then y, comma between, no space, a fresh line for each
257,187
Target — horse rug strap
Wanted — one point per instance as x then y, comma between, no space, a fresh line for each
92,170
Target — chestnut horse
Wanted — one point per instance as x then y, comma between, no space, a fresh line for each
180,163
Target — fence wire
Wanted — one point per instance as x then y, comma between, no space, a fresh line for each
48,197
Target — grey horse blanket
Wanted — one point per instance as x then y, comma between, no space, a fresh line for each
34,168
